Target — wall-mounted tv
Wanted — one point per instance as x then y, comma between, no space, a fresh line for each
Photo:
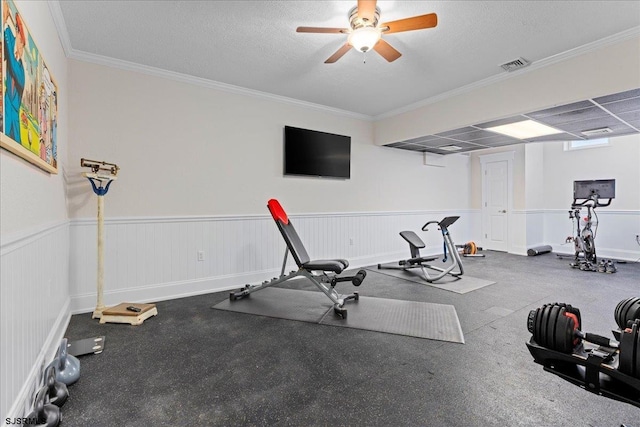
313,153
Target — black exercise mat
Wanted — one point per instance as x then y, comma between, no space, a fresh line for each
459,285
410,318
281,303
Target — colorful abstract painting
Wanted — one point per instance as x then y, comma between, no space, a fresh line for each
28,105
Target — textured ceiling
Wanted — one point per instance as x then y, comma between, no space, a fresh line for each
618,114
253,44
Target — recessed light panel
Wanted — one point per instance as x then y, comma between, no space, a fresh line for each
524,129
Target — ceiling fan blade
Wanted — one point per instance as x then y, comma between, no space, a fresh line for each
321,30
408,24
339,53
387,51
367,9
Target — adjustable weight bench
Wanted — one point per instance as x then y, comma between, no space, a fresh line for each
322,273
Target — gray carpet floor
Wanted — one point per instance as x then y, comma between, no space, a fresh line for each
192,365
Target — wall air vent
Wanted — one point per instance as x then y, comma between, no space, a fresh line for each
516,64
450,148
599,131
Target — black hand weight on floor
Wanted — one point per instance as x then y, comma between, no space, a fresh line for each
626,311
44,413
628,360
554,325
57,391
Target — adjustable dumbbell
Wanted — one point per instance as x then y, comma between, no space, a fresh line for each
629,360
627,311
557,326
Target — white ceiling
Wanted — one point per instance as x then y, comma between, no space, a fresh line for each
254,45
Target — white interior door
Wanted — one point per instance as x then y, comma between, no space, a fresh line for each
496,180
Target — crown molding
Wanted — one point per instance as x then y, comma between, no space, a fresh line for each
554,59
211,84
61,26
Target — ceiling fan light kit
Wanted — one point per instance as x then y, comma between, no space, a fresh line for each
365,33
364,38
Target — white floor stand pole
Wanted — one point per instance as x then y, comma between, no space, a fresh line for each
97,313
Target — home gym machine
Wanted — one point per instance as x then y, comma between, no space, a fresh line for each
587,194
322,273
603,366
417,261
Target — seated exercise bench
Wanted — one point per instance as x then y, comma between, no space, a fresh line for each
322,273
418,261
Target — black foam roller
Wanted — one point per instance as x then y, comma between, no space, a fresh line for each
539,250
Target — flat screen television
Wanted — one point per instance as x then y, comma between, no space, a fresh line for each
313,153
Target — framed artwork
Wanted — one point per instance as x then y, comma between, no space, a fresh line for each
29,101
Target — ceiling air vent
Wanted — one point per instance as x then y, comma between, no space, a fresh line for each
516,64
599,131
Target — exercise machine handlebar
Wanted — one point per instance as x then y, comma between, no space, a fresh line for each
424,227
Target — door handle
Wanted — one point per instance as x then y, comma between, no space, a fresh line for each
503,211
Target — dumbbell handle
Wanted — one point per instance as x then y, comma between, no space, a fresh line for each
597,339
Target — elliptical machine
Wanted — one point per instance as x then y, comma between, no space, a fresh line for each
589,193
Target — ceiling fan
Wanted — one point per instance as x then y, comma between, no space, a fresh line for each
366,32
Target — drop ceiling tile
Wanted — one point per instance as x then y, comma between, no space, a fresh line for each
618,96
412,147
578,128
557,137
554,111
630,116
573,116
456,131
635,124
582,125
471,136
497,140
436,142
623,106
460,144
505,142
420,139
395,144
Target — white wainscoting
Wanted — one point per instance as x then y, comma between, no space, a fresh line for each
153,259
35,307
615,236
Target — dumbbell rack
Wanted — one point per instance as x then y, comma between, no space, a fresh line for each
593,368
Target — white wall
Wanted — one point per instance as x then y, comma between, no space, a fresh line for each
543,191
198,166
620,222
190,150
34,251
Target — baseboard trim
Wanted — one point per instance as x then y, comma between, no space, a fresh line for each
85,303
603,253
